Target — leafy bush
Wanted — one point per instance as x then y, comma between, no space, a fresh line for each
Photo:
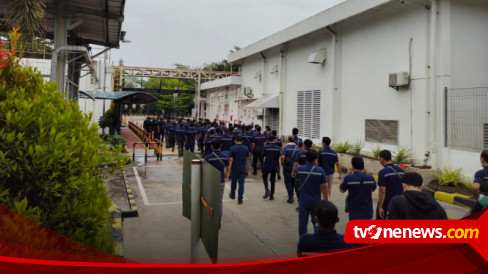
110,119
356,148
342,147
117,141
376,152
402,156
448,177
51,156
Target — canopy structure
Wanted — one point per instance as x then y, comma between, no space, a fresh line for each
267,101
135,97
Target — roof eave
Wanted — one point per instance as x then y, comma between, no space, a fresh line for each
319,21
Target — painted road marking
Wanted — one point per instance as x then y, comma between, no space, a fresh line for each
141,188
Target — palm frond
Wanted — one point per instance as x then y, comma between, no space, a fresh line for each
28,16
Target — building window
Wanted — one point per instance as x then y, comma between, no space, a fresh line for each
273,118
466,118
308,114
381,131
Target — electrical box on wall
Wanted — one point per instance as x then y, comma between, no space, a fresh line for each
398,79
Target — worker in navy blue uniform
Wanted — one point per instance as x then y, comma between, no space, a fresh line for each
328,160
162,129
166,133
202,133
208,140
360,187
180,137
298,140
238,155
153,130
218,160
271,162
311,182
301,157
172,135
287,157
414,204
326,238
246,140
389,182
227,142
257,145
267,133
190,137
274,133
480,175
145,124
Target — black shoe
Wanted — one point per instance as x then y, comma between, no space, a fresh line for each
254,173
290,200
173,150
239,201
266,194
271,197
233,197
279,177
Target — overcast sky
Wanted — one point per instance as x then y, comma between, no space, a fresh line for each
194,32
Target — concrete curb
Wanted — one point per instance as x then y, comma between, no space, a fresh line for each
452,198
117,230
130,197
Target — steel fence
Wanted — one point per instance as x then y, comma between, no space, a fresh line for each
466,118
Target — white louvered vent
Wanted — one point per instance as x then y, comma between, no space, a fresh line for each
308,114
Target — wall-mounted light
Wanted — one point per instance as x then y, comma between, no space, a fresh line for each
318,57
274,70
258,75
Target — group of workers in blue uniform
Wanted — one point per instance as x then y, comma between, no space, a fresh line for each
308,174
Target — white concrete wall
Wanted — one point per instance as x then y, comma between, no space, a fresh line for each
300,75
354,78
371,49
468,60
43,65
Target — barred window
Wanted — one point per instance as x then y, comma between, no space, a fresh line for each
308,114
381,131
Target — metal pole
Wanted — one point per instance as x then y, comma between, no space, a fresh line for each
196,166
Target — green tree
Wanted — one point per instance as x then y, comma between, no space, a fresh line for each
184,102
28,16
223,65
51,156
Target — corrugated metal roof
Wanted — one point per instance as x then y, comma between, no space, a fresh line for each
102,20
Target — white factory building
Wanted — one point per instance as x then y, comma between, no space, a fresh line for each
389,73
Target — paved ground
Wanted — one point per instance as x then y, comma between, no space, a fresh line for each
256,228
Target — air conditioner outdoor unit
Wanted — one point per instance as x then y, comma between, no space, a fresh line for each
399,79
247,91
